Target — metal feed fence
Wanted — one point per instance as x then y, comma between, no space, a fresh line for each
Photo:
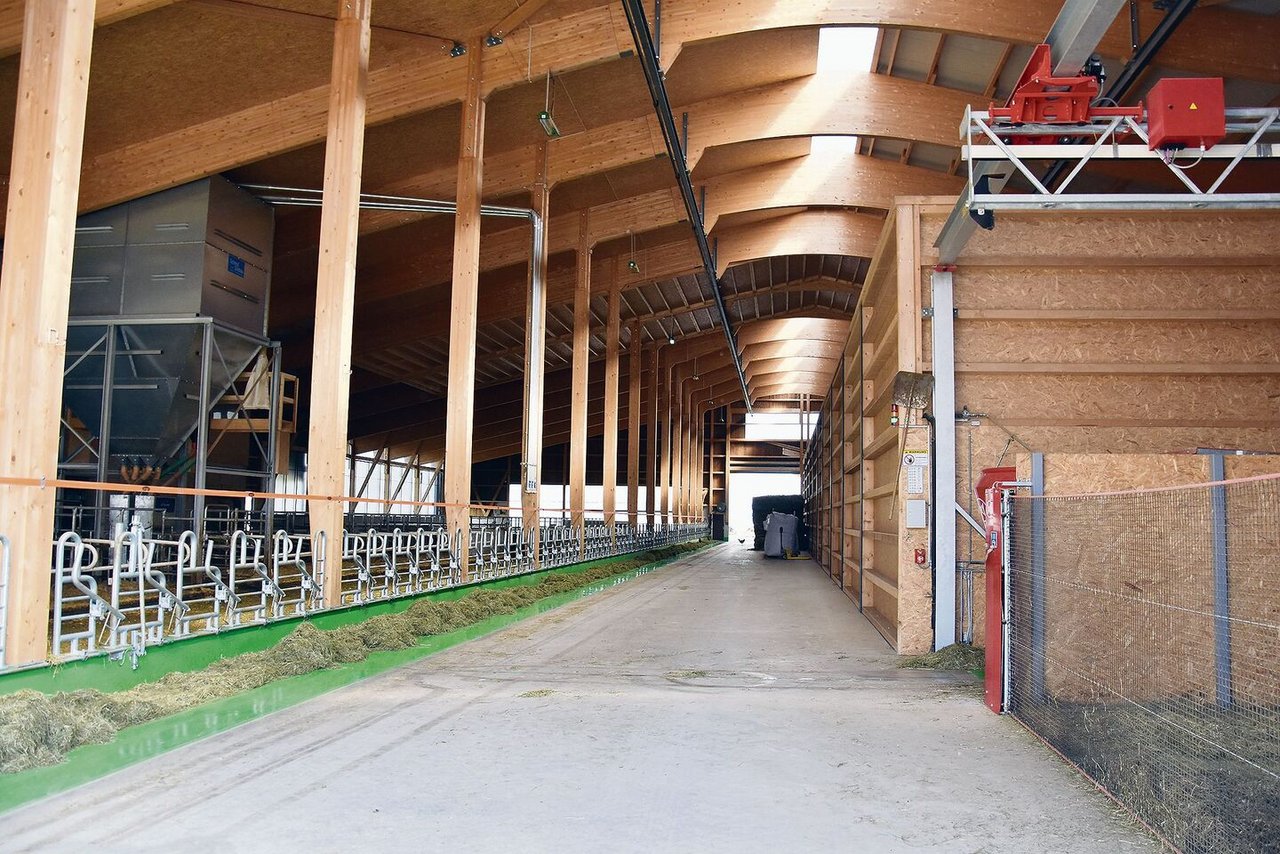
1144,646
123,594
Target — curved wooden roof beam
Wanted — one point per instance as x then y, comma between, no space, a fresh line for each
848,181
802,328
760,368
829,103
867,105
398,319
818,348
813,232
1214,41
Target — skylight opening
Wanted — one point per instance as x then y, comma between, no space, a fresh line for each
834,145
843,50
846,48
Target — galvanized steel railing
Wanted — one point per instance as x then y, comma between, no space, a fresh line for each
118,596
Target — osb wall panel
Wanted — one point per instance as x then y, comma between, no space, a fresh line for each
1211,401
1140,342
915,583
1117,239
1163,287
1219,269
986,445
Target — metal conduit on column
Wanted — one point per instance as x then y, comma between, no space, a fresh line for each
651,481
535,343
666,433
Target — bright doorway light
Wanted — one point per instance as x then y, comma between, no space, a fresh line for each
744,486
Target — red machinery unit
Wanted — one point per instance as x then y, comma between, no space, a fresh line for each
1186,112
1042,98
988,492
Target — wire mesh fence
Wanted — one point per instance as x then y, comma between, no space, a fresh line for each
1144,646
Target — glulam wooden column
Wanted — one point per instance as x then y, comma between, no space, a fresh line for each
651,482
690,460
336,286
35,292
633,426
459,427
578,380
664,462
609,478
677,446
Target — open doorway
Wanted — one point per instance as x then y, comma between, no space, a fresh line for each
743,487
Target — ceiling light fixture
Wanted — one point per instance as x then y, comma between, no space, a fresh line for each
458,49
544,118
492,41
632,265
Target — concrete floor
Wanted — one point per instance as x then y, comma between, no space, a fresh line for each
724,703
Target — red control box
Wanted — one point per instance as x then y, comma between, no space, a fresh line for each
1186,112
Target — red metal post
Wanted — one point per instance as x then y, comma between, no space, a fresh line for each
988,492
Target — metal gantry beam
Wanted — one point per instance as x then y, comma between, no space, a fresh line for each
648,54
1074,36
1137,65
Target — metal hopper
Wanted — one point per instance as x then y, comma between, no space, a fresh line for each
168,307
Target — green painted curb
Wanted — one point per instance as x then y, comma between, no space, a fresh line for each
181,655
135,744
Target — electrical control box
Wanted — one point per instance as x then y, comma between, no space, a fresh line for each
917,513
1186,112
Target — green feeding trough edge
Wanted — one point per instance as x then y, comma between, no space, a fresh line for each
135,744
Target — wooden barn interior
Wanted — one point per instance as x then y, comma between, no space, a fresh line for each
317,307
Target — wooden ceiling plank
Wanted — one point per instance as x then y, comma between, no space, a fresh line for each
517,17
106,12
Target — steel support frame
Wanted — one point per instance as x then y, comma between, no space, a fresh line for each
114,328
998,146
1038,579
1225,694
942,289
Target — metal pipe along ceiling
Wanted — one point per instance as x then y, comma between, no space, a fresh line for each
662,106
308,198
